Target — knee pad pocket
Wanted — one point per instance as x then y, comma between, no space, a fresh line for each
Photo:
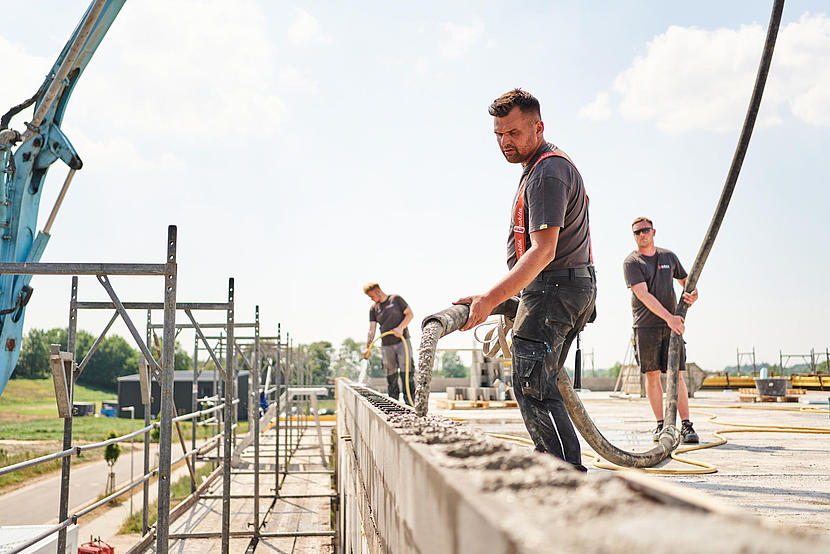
528,366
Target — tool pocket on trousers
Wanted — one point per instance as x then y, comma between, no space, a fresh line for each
529,366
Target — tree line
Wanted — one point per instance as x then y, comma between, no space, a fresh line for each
346,361
113,358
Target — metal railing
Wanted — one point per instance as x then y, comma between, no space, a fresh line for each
285,366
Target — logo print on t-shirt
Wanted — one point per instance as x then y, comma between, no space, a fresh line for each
664,266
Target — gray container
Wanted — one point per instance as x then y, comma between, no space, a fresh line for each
776,386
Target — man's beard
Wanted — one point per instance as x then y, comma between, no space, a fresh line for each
514,156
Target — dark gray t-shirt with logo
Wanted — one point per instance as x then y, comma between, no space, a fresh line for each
656,272
389,314
554,197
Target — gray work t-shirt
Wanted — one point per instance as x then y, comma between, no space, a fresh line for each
656,272
389,314
554,197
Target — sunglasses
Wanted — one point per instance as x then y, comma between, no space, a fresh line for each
646,230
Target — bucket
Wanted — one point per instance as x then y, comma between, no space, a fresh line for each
772,387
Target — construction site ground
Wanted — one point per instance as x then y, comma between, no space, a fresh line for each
781,477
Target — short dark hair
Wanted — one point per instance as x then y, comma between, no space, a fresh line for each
639,219
517,97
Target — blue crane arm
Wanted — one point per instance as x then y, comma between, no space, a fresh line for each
25,158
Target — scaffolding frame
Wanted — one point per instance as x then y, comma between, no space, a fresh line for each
288,369
66,372
747,355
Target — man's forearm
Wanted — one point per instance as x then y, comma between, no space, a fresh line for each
525,270
650,301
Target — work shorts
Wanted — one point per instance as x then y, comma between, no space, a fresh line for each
552,311
394,357
652,345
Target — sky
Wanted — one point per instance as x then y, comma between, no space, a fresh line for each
307,148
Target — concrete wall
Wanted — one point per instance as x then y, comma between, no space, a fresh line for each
431,485
394,499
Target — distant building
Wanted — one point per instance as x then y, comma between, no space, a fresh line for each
129,393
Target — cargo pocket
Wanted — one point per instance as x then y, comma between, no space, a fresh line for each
528,366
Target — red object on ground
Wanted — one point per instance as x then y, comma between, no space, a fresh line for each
96,547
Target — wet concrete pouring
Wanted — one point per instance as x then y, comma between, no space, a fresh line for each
545,505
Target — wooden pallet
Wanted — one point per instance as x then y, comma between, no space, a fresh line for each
754,392
445,404
763,398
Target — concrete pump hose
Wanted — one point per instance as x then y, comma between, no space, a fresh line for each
670,416
602,446
453,318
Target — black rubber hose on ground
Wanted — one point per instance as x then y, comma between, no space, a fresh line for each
670,418
453,318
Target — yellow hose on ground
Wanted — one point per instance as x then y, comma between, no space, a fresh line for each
406,354
701,467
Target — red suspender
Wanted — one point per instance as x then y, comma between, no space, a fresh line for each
519,229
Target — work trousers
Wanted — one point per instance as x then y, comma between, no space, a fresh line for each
552,311
394,362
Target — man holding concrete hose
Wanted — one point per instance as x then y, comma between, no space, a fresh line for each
550,263
649,271
393,314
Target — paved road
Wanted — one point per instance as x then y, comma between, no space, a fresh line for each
37,503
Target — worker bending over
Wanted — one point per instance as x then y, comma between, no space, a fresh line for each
393,314
648,273
549,261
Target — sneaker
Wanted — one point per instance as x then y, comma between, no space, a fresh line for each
655,435
688,434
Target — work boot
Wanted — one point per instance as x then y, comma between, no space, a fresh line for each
655,435
688,434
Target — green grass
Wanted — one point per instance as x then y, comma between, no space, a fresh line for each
178,492
15,453
28,412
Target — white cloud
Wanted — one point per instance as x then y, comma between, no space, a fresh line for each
291,77
23,74
421,66
119,157
205,72
461,38
305,30
694,79
599,109
802,72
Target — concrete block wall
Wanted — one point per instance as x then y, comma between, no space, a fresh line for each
430,485
394,499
